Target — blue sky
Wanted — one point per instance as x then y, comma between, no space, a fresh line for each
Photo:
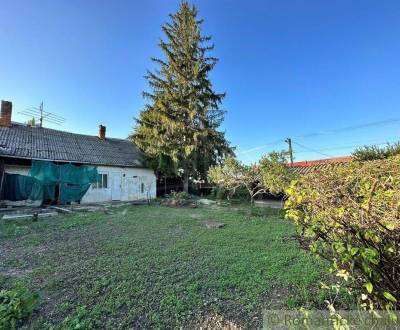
289,68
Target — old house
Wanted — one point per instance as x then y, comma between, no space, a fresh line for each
60,167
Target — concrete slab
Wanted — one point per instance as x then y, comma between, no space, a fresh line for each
269,203
47,214
17,216
205,201
61,209
211,224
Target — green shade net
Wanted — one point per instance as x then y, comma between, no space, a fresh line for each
49,173
21,187
73,182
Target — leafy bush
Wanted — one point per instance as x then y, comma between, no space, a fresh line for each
178,196
16,304
350,215
375,152
276,174
221,193
179,199
80,320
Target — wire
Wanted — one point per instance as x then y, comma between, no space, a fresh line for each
310,149
346,147
261,147
384,122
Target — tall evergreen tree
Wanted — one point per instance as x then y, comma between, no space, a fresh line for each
178,128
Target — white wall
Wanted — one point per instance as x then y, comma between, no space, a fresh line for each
124,183
16,169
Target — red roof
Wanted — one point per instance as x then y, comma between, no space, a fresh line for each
309,163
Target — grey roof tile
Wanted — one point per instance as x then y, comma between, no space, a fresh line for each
43,143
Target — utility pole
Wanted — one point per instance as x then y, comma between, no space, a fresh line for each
41,114
289,142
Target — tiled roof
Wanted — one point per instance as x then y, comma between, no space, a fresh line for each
22,141
308,166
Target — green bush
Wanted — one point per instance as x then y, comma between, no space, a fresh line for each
220,193
178,196
350,215
16,304
376,152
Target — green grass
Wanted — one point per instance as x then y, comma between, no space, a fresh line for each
158,267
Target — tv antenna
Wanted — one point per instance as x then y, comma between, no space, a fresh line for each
38,114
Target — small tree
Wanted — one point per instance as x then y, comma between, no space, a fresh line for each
234,174
275,172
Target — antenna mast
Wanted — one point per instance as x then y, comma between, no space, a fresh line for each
40,115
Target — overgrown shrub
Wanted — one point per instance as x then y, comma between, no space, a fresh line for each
178,196
220,193
179,199
376,152
350,215
16,304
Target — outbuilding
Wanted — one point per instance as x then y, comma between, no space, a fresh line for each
94,168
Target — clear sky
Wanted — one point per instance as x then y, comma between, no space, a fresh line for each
290,68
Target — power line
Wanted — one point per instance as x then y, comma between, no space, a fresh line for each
262,147
380,123
350,147
352,128
311,149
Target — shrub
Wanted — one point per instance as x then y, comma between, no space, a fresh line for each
275,172
376,152
178,196
16,304
221,193
350,215
179,199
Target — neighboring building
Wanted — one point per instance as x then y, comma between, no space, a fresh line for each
120,164
307,166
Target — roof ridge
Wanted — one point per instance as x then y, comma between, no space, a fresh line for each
61,131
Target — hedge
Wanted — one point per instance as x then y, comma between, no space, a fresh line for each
350,215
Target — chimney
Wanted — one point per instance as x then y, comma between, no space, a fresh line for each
5,116
102,132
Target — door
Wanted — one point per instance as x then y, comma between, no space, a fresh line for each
116,187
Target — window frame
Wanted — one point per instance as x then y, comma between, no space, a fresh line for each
100,184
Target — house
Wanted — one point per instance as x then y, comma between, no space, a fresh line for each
306,166
95,168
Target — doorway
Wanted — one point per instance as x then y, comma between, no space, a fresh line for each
116,187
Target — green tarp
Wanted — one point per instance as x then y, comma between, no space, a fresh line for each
21,187
51,182
48,172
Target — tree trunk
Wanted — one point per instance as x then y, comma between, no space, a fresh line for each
186,182
251,204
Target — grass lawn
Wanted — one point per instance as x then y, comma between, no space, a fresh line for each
156,266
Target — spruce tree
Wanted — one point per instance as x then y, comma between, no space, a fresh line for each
178,128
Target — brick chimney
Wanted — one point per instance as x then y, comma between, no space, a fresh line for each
5,115
102,132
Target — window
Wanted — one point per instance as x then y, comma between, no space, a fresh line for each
142,188
102,183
